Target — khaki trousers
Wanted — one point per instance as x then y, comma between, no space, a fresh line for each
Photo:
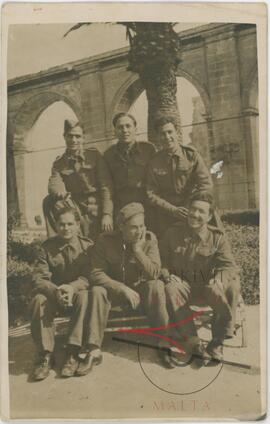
43,310
223,302
153,304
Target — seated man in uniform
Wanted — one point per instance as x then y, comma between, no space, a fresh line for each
125,271
198,267
173,174
60,284
127,161
80,178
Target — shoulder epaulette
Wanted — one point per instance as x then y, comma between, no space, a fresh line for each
215,229
110,149
91,150
58,158
86,239
150,236
189,147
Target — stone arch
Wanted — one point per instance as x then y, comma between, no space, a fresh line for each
125,96
131,89
33,107
201,90
24,120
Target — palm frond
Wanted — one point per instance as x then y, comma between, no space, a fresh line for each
128,25
75,27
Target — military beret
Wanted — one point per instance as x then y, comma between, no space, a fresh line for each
69,124
203,196
129,211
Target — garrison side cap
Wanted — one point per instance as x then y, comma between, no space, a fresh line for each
69,124
128,211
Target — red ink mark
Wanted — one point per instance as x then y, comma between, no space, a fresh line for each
151,331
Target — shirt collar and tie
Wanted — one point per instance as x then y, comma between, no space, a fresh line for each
70,249
125,150
77,155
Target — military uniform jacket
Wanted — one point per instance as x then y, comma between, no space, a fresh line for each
84,175
195,258
115,264
60,262
172,178
129,171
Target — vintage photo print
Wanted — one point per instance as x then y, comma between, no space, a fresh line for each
133,211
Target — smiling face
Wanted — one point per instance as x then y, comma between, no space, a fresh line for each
125,130
133,229
67,226
74,138
199,214
168,137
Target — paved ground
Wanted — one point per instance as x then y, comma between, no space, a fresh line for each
130,386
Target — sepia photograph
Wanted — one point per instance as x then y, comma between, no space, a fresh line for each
135,211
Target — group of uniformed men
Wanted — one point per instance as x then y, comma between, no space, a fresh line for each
100,252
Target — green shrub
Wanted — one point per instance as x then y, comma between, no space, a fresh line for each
20,259
19,282
26,252
244,241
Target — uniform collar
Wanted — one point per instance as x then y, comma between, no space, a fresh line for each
122,149
203,235
79,154
178,152
74,243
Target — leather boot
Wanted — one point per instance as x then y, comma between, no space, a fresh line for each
42,366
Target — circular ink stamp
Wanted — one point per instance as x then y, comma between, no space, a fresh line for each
186,378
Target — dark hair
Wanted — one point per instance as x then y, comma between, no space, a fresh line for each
68,209
163,120
204,196
122,114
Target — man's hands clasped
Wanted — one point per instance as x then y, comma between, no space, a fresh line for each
64,295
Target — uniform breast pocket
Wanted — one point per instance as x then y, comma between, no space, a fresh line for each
205,255
89,171
182,176
162,177
179,253
57,263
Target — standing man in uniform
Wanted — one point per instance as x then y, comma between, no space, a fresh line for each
173,174
125,271
127,161
60,283
80,178
198,267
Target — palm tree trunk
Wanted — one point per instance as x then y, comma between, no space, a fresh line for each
161,87
154,54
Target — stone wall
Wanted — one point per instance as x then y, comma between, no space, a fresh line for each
219,59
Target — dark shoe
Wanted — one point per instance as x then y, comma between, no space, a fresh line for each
198,352
199,356
42,366
180,359
70,366
215,349
92,358
165,356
